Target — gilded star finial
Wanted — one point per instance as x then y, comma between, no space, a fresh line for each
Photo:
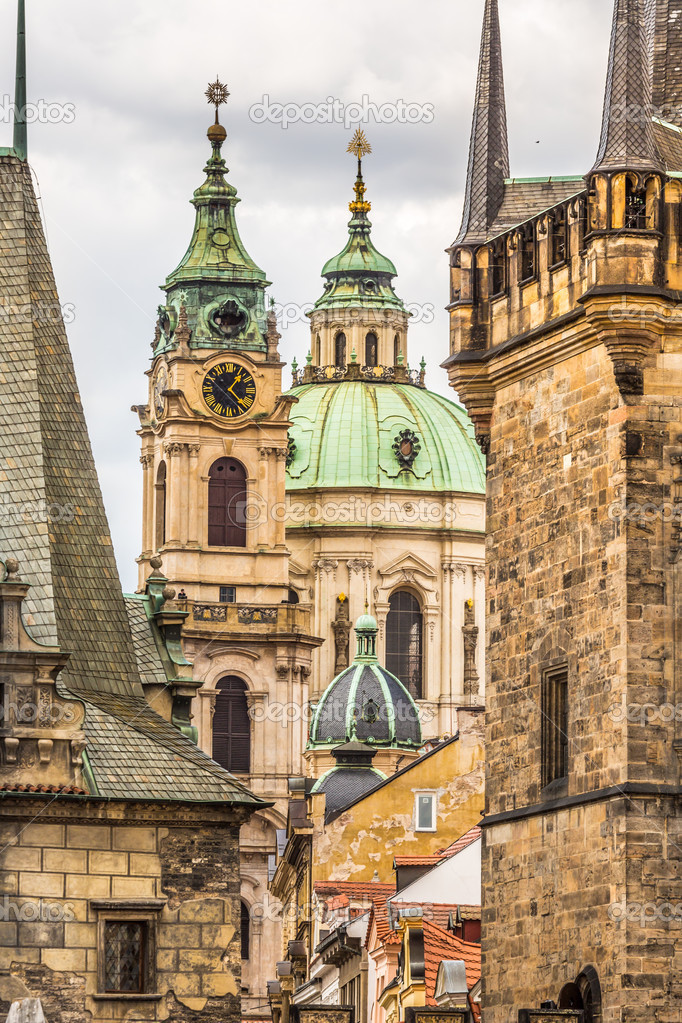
217,94
359,145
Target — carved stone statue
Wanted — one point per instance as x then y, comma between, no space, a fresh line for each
341,628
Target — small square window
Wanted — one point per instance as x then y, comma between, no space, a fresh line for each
125,953
425,811
228,594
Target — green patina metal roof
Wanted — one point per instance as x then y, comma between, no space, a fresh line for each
344,434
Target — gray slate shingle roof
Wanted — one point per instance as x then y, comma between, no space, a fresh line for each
67,555
524,200
147,654
664,26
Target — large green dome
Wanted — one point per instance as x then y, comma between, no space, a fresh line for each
344,435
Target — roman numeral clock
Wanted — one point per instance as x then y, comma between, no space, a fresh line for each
229,390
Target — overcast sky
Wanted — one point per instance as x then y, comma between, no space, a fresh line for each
116,174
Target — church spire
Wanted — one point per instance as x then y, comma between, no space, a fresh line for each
489,148
627,137
20,139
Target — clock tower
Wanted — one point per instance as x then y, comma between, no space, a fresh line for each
214,452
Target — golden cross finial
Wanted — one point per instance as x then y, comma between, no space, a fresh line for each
359,144
216,94
361,147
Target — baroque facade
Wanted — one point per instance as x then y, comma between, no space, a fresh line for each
566,351
279,514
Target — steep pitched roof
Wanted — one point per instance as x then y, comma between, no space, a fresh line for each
489,148
433,860
664,27
55,524
440,944
627,138
472,835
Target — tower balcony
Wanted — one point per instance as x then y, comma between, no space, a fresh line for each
242,620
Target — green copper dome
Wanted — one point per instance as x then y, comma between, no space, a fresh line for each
346,434
365,703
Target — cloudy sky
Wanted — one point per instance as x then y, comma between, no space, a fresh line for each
115,175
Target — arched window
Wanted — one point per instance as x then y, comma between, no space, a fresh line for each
231,726
371,349
227,504
528,254
635,205
396,349
340,351
245,931
318,350
160,523
404,641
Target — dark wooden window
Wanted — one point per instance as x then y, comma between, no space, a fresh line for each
396,349
371,349
125,949
528,255
340,351
404,641
318,350
559,240
498,266
231,726
160,489
635,206
245,931
554,731
227,504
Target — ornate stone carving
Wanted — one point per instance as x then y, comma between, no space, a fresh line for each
209,612
459,568
359,565
253,615
470,634
341,627
326,565
479,572
173,449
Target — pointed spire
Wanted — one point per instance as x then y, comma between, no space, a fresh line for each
20,142
663,20
489,148
627,137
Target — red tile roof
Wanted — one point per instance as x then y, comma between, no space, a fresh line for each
443,854
439,945
374,891
471,835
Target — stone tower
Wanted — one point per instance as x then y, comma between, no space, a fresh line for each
566,349
214,450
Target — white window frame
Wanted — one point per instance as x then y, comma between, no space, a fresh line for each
434,811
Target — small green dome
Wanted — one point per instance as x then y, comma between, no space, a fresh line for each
366,623
345,434
359,275
359,253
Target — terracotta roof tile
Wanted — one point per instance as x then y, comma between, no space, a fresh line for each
66,790
439,944
375,891
466,839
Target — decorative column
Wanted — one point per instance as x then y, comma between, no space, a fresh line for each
446,618
193,485
479,605
255,702
174,492
147,462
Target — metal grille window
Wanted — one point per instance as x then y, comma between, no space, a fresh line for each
124,956
228,594
498,266
528,255
231,726
635,206
554,725
404,641
559,226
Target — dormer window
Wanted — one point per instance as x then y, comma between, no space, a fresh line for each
370,286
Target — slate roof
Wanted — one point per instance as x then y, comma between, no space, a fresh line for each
147,655
343,785
489,149
663,18
527,198
53,521
669,142
627,137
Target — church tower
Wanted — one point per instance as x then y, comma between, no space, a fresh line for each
214,451
566,349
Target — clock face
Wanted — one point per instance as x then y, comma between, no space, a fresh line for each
160,385
229,390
